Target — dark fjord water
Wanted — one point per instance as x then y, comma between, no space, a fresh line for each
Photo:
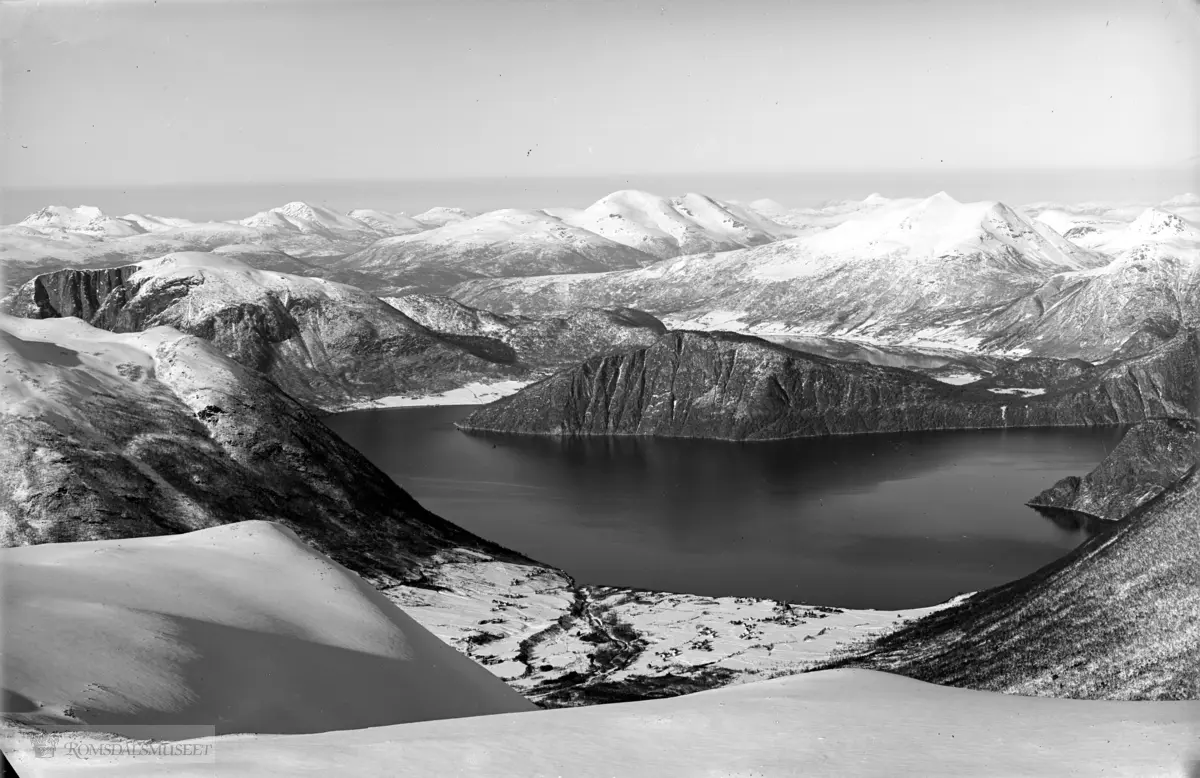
869,521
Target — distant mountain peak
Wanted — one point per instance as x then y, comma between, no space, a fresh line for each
767,205
692,223
632,199
1184,200
270,219
82,218
696,196
941,214
1157,222
941,198
52,214
441,215
299,209
940,226
396,222
309,219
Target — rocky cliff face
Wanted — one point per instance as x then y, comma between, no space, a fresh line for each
114,436
324,343
722,385
1118,618
540,341
579,334
78,293
1151,458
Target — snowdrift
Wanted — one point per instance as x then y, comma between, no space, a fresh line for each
836,723
243,627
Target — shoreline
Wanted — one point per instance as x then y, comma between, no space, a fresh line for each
474,393
945,345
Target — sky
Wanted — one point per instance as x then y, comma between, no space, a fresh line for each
141,94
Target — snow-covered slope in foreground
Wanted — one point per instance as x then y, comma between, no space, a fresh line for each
837,723
242,626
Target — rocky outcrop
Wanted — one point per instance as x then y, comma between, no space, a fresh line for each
117,436
1117,619
79,293
443,314
326,344
735,387
1036,372
579,334
1151,458
540,341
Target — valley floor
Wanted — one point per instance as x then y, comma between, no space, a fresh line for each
563,645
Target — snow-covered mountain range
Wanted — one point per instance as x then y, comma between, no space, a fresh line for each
931,272
1072,280
507,242
397,253
1144,294
670,227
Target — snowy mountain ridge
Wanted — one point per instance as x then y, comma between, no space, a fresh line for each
668,227
880,269
86,219
936,227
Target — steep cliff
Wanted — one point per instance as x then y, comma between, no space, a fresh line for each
326,344
540,341
1118,618
728,386
79,293
106,435
1151,457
